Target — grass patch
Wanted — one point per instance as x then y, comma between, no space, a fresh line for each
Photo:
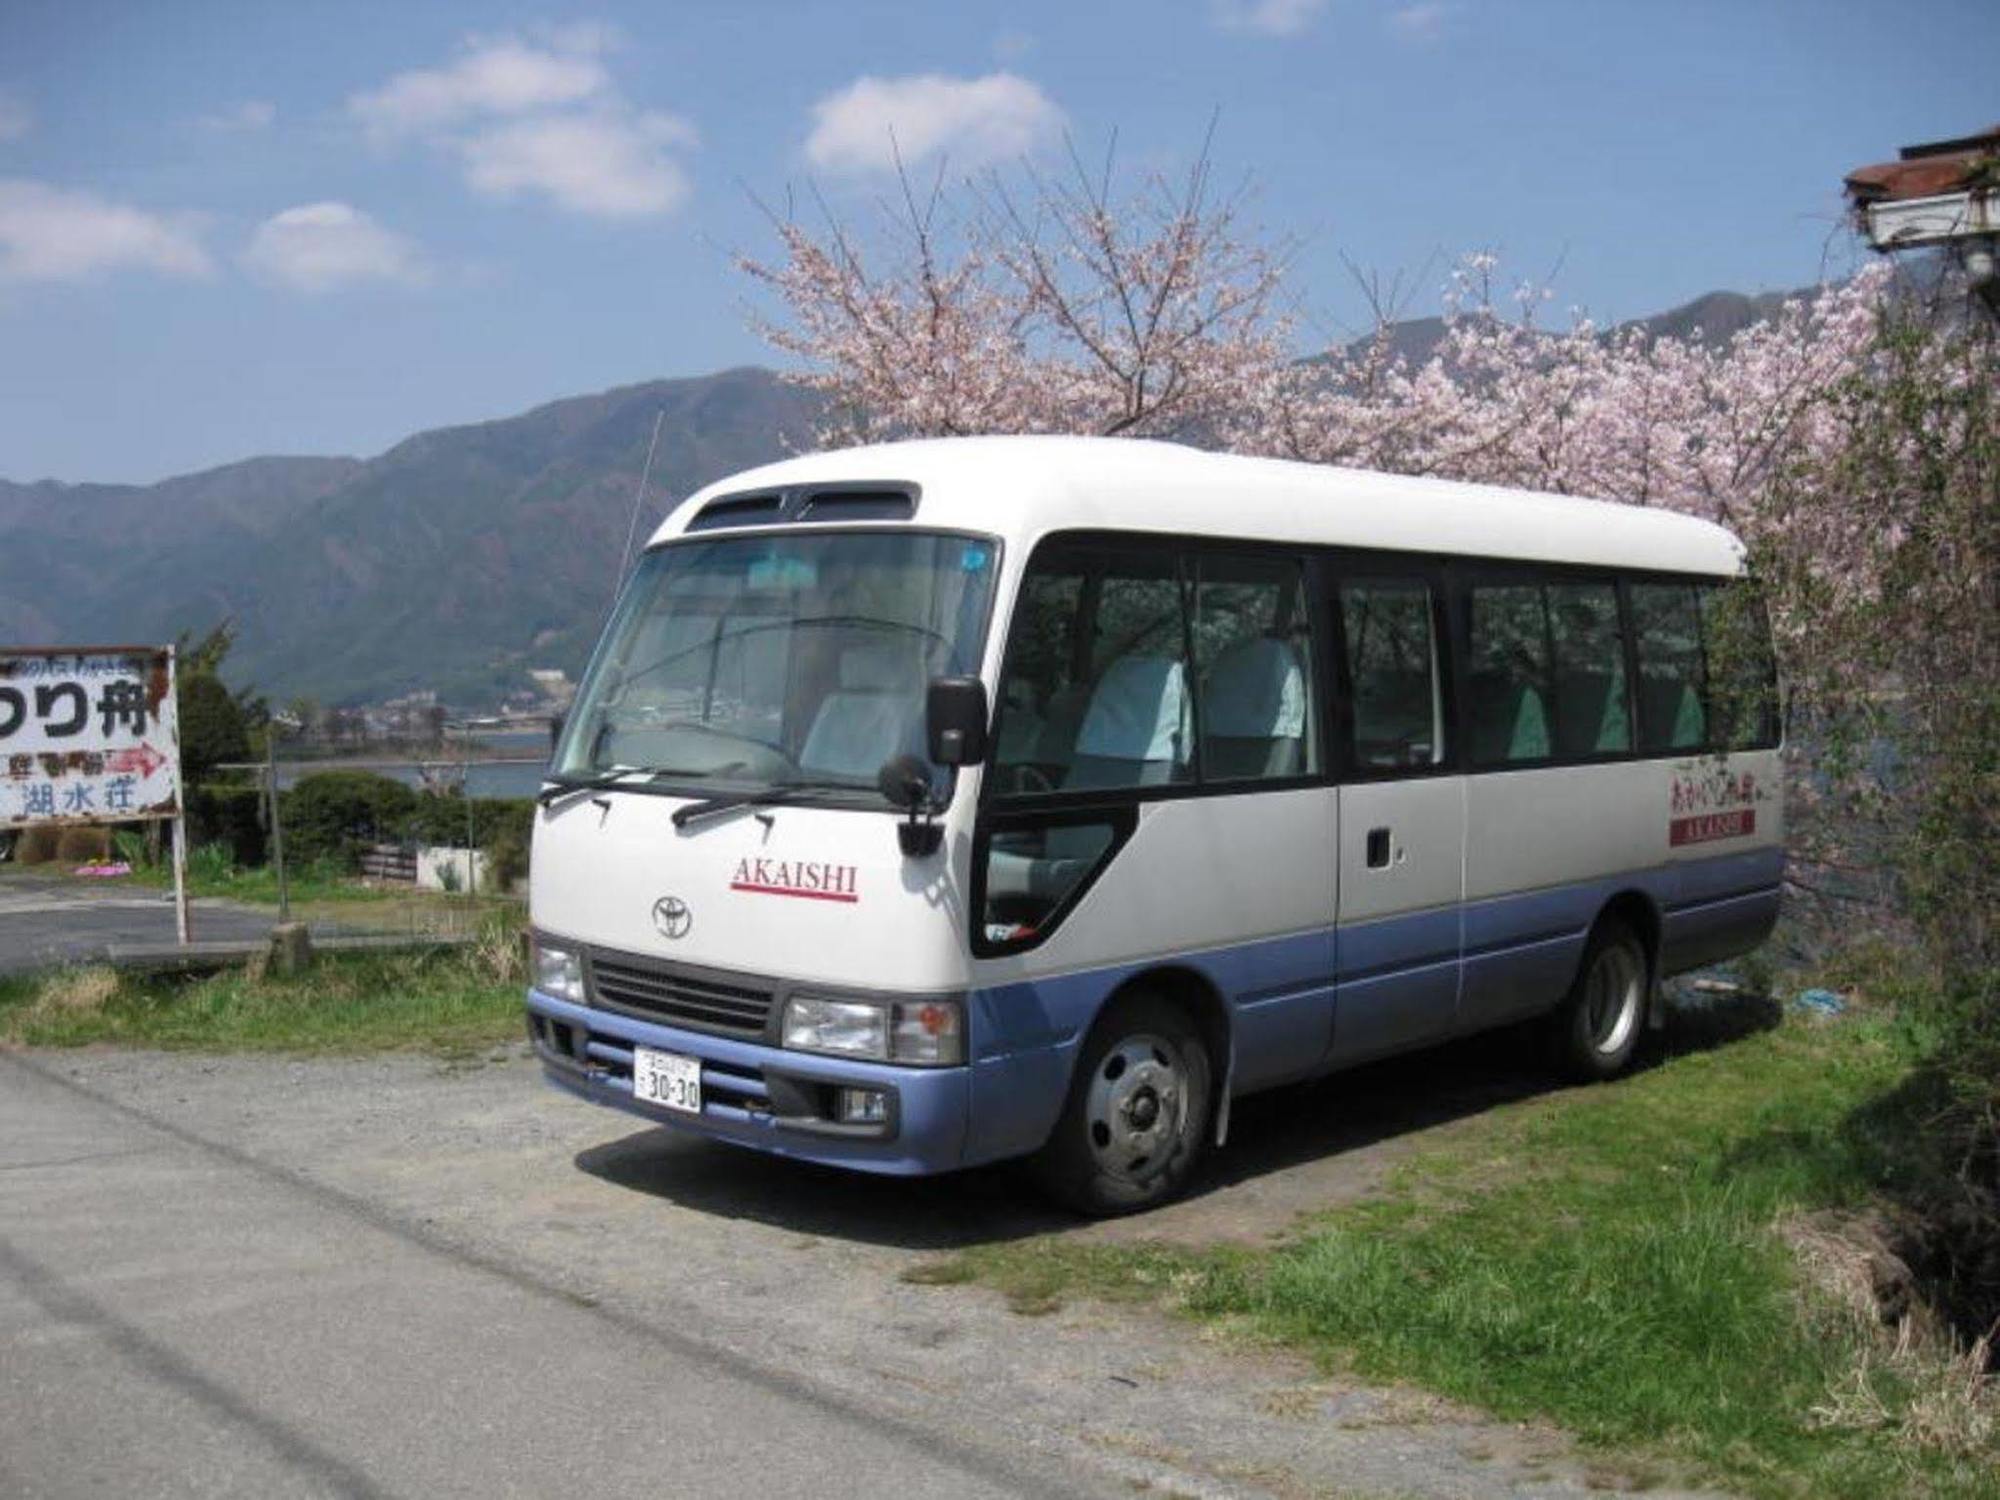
452,1002
317,881
1614,1259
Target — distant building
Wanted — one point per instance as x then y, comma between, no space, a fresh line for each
1940,195
555,687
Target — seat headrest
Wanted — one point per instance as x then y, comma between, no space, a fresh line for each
875,669
1255,690
1139,711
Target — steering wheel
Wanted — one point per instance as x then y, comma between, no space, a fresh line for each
1028,777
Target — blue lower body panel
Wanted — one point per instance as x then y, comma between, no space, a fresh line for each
744,1085
1298,1004
1025,1035
1720,908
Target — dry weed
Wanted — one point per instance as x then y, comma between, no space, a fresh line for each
78,991
499,953
1909,1376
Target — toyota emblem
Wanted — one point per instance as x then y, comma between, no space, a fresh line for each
672,918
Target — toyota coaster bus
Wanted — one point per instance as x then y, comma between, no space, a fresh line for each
940,802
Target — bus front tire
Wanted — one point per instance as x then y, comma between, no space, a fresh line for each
1596,1029
1137,1117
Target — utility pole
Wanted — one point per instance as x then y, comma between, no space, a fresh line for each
277,823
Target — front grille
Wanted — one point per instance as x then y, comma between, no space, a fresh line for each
666,994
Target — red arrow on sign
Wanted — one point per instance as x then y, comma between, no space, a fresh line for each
145,760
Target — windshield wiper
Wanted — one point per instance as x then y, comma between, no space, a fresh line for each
770,796
566,786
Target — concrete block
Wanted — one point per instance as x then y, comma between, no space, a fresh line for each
291,948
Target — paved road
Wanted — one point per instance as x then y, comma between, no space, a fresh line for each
399,1275
178,1317
47,919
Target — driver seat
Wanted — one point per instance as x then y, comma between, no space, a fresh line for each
868,719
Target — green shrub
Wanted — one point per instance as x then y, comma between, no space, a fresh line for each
214,729
232,816
210,864
443,820
501,827
334,815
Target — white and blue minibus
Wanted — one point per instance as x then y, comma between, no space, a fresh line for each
935,803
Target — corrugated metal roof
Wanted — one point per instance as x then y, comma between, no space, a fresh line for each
1929,170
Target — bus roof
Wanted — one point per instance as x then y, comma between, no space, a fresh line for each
1021,488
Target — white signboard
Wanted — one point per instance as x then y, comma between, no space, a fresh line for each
87,735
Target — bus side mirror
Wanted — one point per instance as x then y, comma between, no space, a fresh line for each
955,714
556,722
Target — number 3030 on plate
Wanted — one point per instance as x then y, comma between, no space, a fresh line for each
667,1078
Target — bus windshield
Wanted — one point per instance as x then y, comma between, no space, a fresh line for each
779,660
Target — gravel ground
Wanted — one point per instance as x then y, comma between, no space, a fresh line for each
781,1267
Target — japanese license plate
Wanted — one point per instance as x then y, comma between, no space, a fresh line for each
667,1078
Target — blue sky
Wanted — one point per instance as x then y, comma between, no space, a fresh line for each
229,229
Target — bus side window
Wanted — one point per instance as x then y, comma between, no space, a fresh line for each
1510,679
1253,653
1392,662
1666,625
1593,716
1097,694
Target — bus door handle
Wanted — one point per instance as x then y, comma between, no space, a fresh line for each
1378,848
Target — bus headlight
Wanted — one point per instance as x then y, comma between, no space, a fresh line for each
559,972
929,1033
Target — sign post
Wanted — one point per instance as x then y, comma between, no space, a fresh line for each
88,736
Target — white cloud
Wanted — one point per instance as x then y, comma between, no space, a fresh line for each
246,118
539,115
613,164
865,126
16,119
1267,17
491,76
1423,22
317,247
58,234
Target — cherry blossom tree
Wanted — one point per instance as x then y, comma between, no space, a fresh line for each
1058,304
1052,306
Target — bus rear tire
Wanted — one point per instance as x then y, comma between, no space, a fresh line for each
1596,1030
1136,1121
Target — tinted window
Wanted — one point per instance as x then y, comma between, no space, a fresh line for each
1031,873
1392,666
1592,707
1253,669
1509,676
1666,624
1098,691
1119,656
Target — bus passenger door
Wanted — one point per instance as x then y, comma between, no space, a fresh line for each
1401,862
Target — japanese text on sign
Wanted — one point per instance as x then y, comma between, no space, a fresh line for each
87,736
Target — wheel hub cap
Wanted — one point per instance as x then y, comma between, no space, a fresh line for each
1137,1107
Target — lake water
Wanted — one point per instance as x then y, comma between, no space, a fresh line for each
518,775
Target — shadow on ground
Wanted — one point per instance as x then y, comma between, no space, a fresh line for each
1309,1146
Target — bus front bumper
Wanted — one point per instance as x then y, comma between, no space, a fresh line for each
760,1096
